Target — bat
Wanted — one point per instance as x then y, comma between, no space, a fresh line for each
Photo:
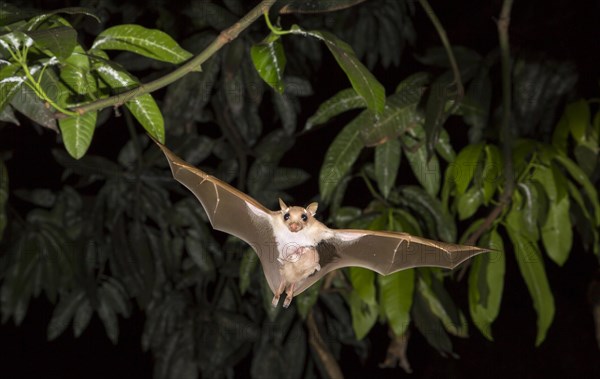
295,249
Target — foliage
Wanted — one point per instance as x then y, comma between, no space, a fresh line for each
121,232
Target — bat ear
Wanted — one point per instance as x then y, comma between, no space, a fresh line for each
312,208
283,206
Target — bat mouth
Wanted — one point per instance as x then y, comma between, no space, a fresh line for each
294,227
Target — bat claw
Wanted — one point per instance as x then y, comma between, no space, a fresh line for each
275,301
287,302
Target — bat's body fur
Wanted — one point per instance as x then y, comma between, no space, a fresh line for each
297,234
306,248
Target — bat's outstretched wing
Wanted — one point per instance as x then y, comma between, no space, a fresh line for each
386,253
236,213
231,211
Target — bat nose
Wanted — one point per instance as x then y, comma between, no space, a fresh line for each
295,227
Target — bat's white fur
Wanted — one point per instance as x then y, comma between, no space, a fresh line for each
297,233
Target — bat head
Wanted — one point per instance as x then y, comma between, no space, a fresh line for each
297,218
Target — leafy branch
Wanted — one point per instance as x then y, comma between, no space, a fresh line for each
194,64
460,90
509,179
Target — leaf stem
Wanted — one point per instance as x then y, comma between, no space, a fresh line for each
275,29
506,133
35,85
193,64
370,187
460,90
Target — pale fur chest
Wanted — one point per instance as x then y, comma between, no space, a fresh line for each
288,242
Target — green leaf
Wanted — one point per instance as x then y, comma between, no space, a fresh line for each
312,6
307,299
584,220
3,197
143,107
578,116
587,157
341,102
247,267
267,298
557,233
492,172
198,251
430,326
524,212
561,134
475,106
360,77
340,157
363,282
427,170
399,116
444,148
286,177
40,17
108,317
464,166
486,284
552,180
77,133
437,56
576,195
584,181
76,73
445,226
396,297
28,103
442,307
82,318
14,42
147,112
269,60
387,163
10,13
64,311
115,295
8,115
9,83
435,114
531,266
151,43
364,315
58,42
469,202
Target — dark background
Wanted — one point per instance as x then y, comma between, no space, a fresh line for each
560,30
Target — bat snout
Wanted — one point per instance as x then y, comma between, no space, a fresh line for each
295,227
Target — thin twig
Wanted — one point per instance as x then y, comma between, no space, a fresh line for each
224,38
460,90
316,342
506,132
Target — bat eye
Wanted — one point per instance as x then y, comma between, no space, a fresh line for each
304,218
286,216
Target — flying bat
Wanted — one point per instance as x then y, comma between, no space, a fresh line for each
295,249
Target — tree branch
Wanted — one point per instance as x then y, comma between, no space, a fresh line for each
193,64
505,132
323,352
460,90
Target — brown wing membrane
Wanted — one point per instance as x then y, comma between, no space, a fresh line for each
386,253
228,210
236,213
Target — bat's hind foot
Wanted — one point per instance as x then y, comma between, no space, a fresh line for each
289,295
275,301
